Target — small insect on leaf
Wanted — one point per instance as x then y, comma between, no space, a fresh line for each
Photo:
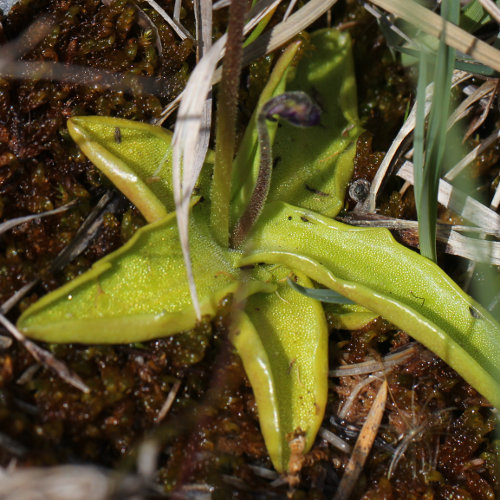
474,313
118,135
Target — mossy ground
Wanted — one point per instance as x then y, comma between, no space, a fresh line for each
211,435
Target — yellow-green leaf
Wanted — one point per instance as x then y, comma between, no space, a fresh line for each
369,267
134,156
283,343
139,292
313,166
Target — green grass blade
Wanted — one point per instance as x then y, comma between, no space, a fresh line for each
436,139
321,294
418,140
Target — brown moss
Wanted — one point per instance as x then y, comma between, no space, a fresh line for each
41,167
211,434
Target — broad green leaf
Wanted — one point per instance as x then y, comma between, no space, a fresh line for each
139,292
314,165
283,343
134,156
369,267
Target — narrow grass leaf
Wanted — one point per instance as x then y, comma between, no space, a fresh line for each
323,295
435,25
418,135
427,178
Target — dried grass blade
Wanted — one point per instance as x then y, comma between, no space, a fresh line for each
487,88
344,411
45,357
87,230
284,31
363,445
289,9
477,250
491,8
177,10
399,142
474,249
435,25
496,199
377,220
408,126
18,295
77,245
471,156
269,41
203,18
478,121
189,152
335,440
5,226
169,401
182,32
463,205
389,361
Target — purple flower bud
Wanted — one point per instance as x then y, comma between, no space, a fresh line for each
297,108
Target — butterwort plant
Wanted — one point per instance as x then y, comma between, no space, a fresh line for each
288,184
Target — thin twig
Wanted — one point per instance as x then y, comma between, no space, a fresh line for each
45,357
168,402
175,25
363,445
390,361
5,226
